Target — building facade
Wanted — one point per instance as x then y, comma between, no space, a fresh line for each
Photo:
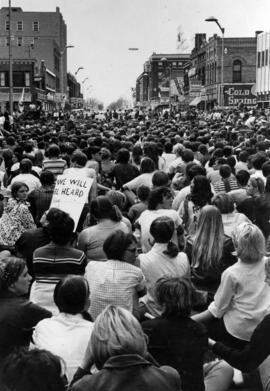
36,38
239,71
162,82
263,69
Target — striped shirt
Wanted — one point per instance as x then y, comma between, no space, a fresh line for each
56,166
220,186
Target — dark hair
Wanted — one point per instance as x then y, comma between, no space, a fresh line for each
31,370
62,229
258,159
267,185
46,178
243,156
175,294
79,157
25,165
160,178
156,196
123,156
242,177
223,202
168,147
116,244
162,230
102,208
70,294
187,155
225,171
10,270
266,168
143,192
193,169
201,193
15,187
147,165
53,150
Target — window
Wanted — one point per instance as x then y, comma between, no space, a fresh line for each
7,25
20,25
237,71
259,59
27,79
18,79
2,79
36,25
19,41
7,41
262,59
266,57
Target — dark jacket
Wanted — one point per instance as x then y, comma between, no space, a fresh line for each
18,316
180,343
130,372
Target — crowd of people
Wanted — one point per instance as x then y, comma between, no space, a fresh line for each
165,281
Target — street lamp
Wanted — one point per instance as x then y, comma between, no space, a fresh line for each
62,67
222,29
84,80
78,70
166,65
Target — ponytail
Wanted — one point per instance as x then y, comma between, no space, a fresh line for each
172,250
115,214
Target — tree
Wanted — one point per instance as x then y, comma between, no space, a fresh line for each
119,104
94,104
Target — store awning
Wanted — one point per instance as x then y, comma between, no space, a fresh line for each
197,100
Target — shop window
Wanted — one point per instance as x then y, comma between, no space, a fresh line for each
27,79
259,59
237,71
20,25
2,79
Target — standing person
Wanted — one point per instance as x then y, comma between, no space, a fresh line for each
18,315
118,349
55,260
176,340
164,258
16,217
54,163
249,206
116,281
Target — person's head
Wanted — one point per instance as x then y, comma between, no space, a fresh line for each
147,165
255,187
102,208
117,198
258,160
143,193
193,169
200,191
105,154
208,241
175,295
19,191
71,295
53,151
32,370
266,168
79,158
61,230
242,177
187,155
160,198
25,166
123,156
162,230
225,171
160,178
116,331
249,243
168,147
223,202
243,156
178,149
120,246
46,178
14,276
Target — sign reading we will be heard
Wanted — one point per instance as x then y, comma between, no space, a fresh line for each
70,194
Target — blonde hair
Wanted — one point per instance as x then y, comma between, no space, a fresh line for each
116,332
249,243
207,248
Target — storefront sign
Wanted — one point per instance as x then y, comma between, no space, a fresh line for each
234,94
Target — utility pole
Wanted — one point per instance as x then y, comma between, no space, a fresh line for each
10,62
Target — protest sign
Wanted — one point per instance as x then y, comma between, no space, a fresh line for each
70,194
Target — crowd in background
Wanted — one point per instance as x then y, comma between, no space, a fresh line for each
164,282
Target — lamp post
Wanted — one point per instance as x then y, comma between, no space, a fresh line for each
78,70
62,67
84,80
166,65
222,29
10,62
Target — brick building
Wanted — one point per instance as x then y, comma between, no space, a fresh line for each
239,71
37,38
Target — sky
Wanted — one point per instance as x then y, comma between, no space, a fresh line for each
102,31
